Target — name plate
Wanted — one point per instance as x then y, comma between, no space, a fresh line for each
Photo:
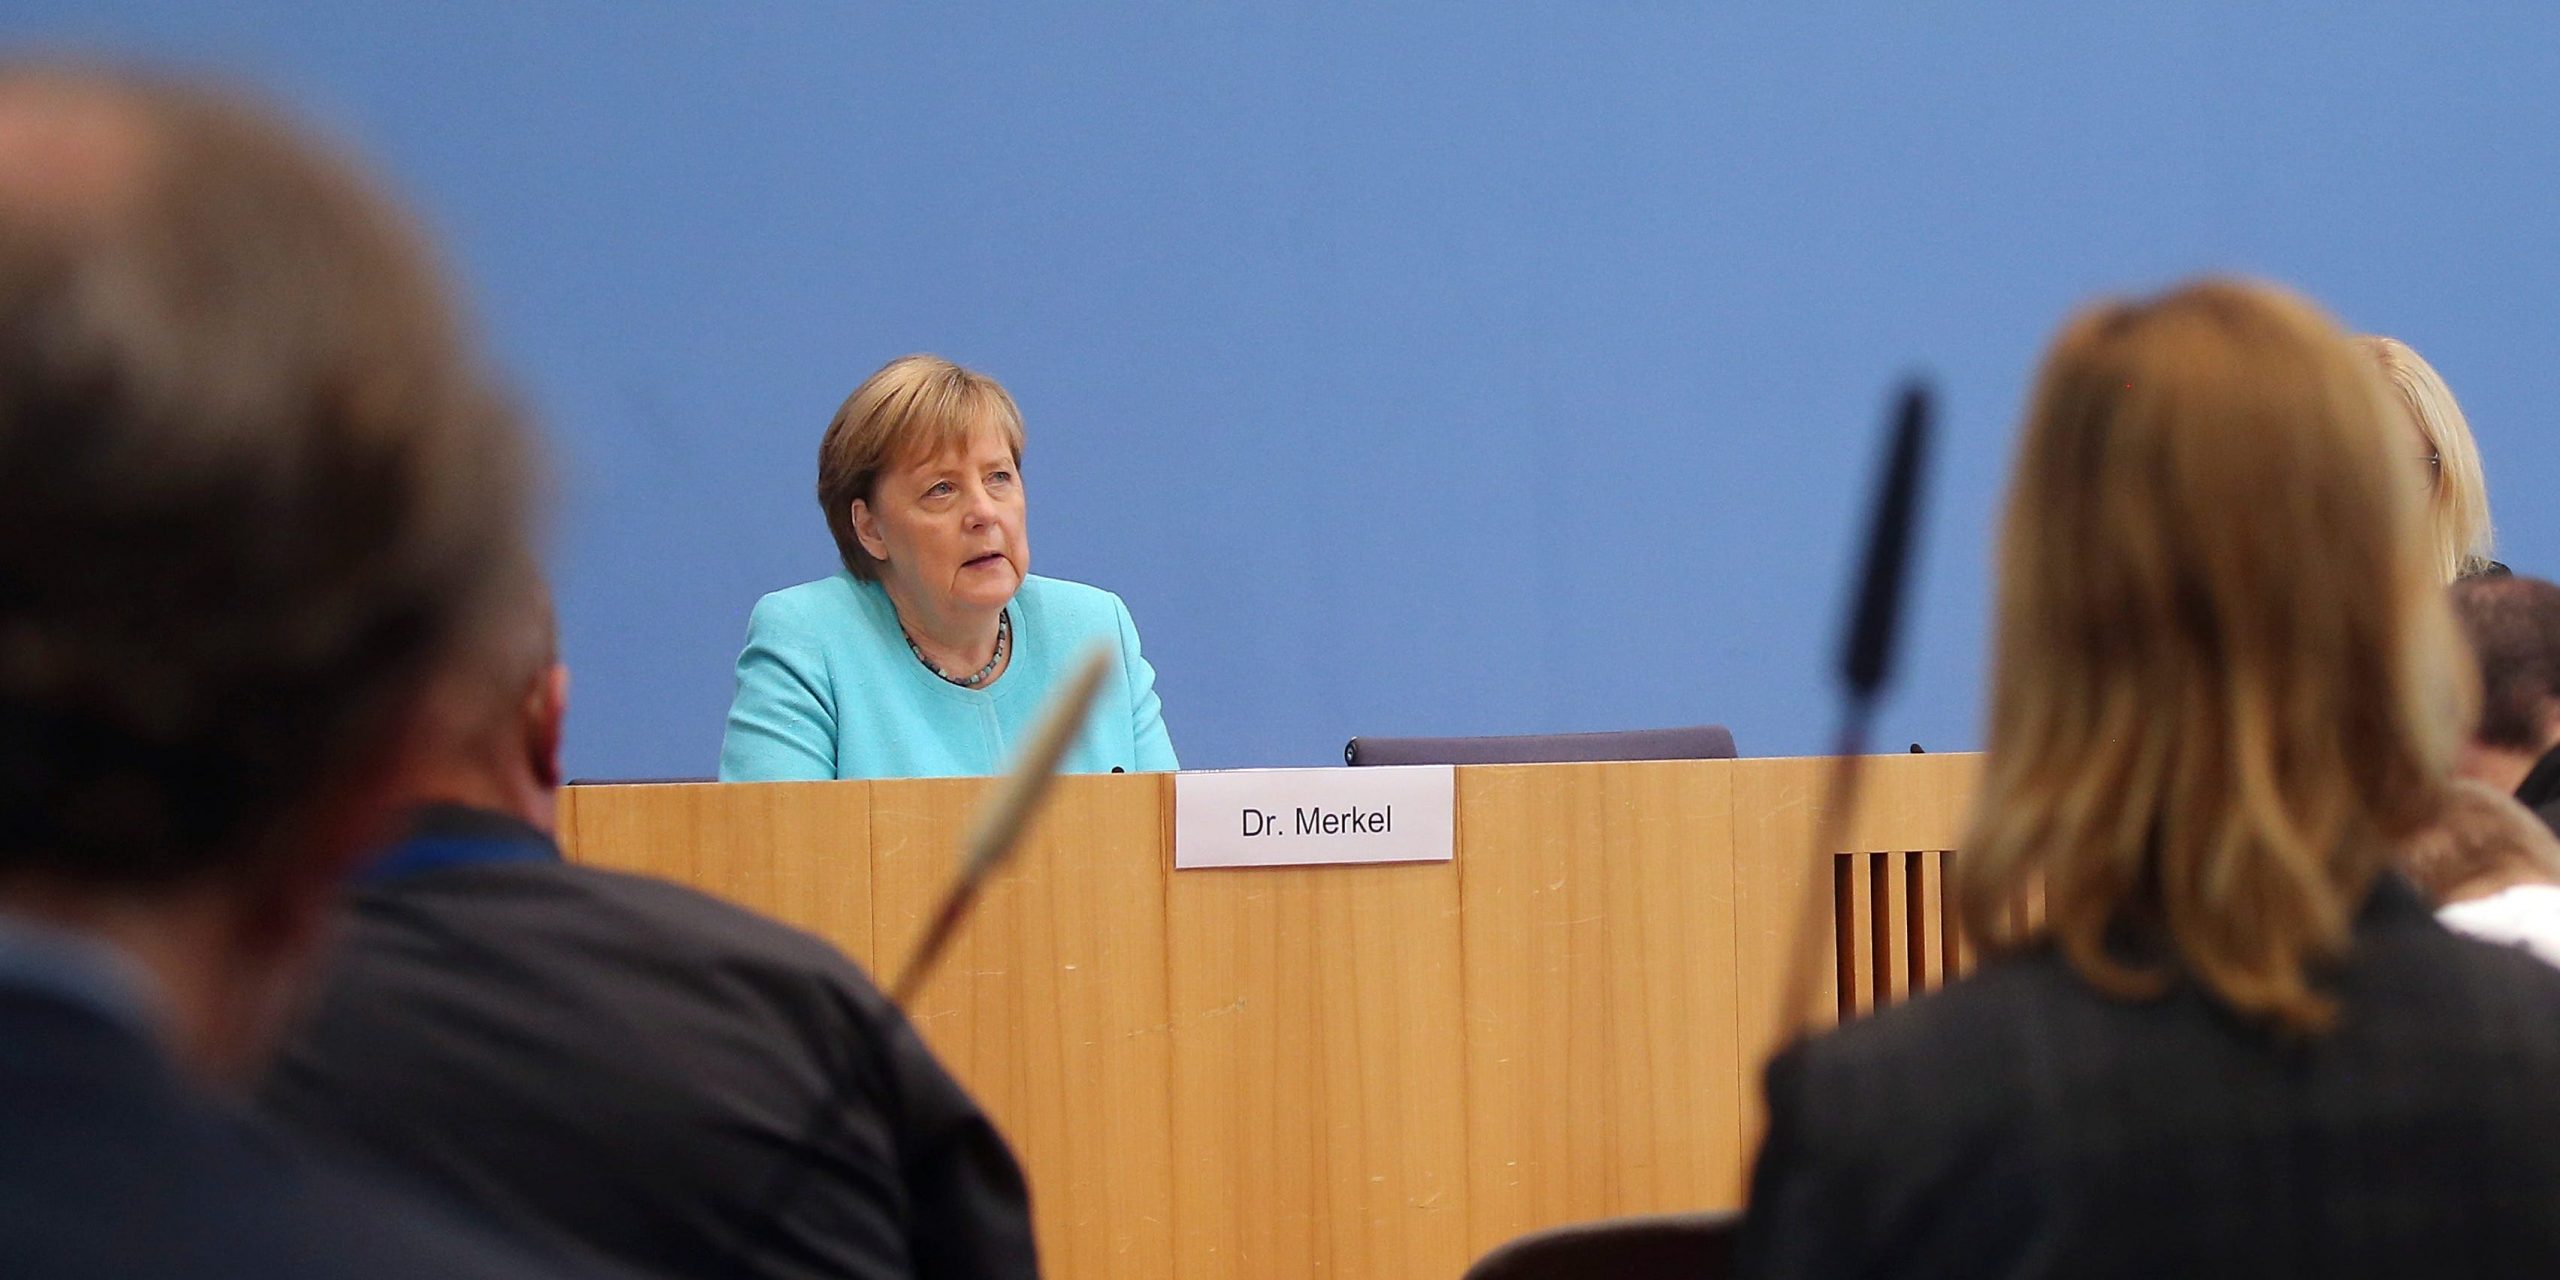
1305,817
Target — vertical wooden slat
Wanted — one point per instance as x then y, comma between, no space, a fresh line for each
1857,934
1951,949
1844,940
1892,920
1927,971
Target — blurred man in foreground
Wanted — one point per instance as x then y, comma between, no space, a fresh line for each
622,1064
251,480
2513,624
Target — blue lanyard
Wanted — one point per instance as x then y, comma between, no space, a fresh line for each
421,854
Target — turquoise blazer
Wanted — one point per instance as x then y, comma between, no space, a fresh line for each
828,689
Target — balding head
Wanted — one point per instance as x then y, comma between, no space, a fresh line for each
252,479
499,708
2513,624
74,152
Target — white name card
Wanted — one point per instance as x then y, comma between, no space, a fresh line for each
1300,817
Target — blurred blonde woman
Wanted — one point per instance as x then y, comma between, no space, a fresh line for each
2457,524
2227,686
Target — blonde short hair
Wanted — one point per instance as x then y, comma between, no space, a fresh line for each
2458,503
916,406
2227,681
2482,835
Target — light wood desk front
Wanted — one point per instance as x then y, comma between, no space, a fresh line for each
1373,1071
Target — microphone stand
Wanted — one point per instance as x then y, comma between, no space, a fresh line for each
1004,815
991,843
1866,664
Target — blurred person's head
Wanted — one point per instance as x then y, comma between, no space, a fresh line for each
2442,461
2226,682
497,712
2513,624
2483,842
252,485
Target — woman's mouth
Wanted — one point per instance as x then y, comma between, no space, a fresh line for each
983,561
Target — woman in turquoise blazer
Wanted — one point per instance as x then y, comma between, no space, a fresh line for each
932,652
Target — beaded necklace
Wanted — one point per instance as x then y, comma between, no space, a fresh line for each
1004,642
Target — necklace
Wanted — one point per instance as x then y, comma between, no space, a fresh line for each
1004,642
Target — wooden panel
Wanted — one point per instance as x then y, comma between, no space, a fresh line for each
1905,803
1051,1006
1597,908
796,851
1355,1071
1955,944
1909,802
1775,868
1318,1103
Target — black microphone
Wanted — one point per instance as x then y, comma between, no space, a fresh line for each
1866,666
1866,655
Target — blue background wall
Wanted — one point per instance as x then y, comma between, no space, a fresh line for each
1451,368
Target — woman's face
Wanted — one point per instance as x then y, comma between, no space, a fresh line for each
949,529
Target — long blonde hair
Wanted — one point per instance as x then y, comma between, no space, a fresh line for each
2226,678
2458,500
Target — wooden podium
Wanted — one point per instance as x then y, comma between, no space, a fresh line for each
1376,1071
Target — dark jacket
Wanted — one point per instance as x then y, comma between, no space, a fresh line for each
660,1077
2020,1124
2540,790
113,1168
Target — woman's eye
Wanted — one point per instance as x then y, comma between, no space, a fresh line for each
939,489
1000,477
